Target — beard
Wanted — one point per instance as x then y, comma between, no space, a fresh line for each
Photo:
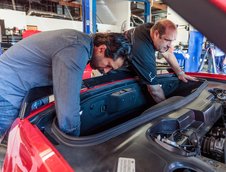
93,65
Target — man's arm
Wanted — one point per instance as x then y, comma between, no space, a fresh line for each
156,92
171,59
68,66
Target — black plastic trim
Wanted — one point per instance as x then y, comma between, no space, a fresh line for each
162,108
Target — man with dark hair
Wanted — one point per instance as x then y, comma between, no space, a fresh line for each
146,39
56,58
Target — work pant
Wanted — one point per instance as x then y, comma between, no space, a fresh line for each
219,62
8,113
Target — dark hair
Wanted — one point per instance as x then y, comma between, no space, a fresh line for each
117,44
161,26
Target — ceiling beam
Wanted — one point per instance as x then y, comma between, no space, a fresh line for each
57,1
159,6
70,4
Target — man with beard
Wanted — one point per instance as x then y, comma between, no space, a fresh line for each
146,39
56,58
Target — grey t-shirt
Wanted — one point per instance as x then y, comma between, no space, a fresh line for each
54,57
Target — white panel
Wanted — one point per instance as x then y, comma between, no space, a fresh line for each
13,18
104,13
183,34
45,24
20,20
108,28
121,11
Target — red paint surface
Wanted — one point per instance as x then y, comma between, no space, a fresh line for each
220,4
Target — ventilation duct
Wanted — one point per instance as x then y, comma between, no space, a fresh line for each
104,14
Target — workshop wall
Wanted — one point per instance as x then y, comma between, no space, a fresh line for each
183,33
13,18
20,20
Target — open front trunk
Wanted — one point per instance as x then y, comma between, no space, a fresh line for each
117,121
107,106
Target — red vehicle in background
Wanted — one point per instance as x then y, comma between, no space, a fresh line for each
121,125
28,33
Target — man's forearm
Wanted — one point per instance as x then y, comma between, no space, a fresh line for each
172,61
156,92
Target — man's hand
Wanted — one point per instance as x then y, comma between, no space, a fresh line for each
171,59
183,77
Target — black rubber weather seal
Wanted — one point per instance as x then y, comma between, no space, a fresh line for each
160,109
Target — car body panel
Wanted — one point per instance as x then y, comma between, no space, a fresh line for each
220,4
35,150
207,16
220,77
31,151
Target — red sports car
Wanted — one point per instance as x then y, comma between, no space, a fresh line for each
123,129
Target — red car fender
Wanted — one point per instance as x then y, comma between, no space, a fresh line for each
220,4
208,75
34,153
